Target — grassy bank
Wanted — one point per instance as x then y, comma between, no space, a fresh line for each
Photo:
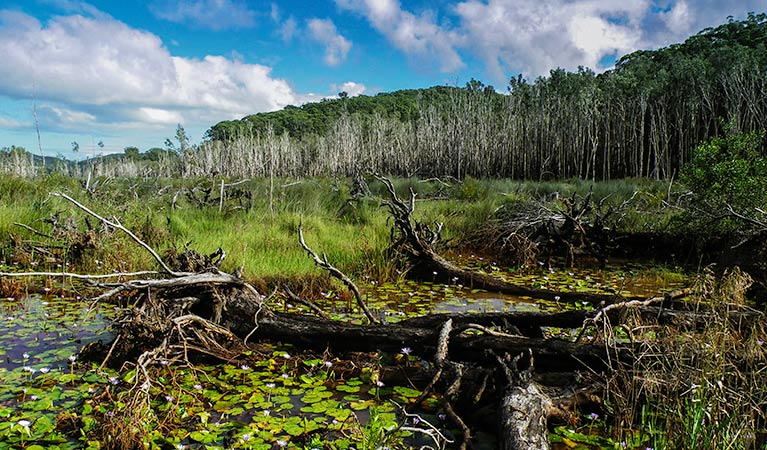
257,221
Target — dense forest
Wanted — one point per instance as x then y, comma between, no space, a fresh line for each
640,119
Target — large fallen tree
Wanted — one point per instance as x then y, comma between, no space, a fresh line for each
477,358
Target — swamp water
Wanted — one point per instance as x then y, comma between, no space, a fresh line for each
280,400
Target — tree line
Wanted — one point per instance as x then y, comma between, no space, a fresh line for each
640,119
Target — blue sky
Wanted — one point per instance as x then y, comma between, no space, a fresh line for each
125,73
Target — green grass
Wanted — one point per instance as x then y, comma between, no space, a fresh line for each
259,232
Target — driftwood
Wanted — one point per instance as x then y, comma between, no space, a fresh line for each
523,410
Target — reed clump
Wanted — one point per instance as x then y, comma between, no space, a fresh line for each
697,386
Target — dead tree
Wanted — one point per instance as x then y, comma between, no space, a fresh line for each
415,241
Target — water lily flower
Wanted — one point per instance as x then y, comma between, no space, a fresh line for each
407,350
593,416
114,380
270,385
267,412
328,364
246,437
282,443
169,398
380,383
33,397
285,376
44,370
29,369
25,356
245,367
145,385
286,356
25,424
197,387
73,358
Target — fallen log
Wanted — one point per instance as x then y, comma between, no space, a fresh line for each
415,242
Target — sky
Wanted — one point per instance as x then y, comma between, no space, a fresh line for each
112,74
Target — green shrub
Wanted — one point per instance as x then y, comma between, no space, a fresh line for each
727,177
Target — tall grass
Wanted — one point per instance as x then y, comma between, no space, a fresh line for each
698,386
257,221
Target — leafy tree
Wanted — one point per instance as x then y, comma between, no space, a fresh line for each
728,179
132,153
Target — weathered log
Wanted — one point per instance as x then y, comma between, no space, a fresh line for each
523,410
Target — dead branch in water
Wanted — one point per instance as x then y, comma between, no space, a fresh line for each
323,263
415,241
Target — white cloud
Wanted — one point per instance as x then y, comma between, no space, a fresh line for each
88,72
274,12
534,36
6,122
350,87
212,14
288,29
418,36
336,46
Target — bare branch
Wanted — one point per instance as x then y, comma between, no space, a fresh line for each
316,309
80,276
119,226
28,228
323,263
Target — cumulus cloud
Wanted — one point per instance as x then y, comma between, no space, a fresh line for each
418,36
212,14
533,36
336,46
350,87
90,71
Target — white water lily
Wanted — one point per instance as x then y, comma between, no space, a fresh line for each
25,425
